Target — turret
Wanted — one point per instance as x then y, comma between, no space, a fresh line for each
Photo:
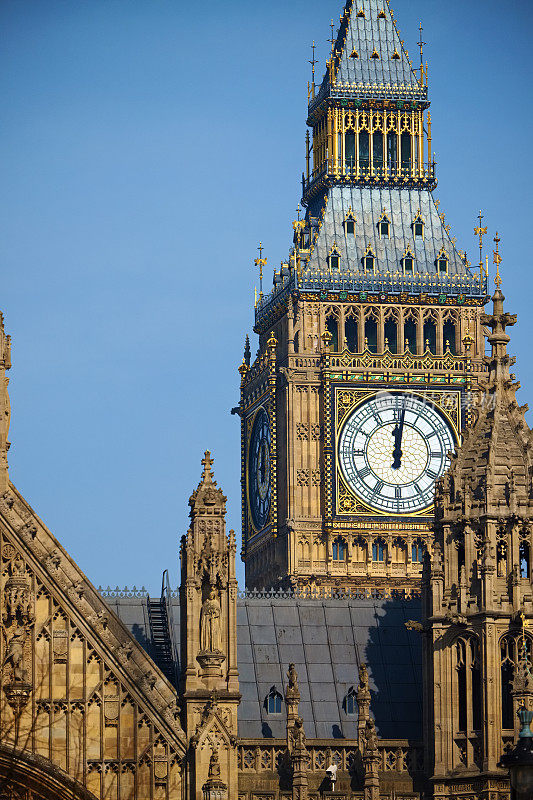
479,591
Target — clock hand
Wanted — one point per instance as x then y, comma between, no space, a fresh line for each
398,434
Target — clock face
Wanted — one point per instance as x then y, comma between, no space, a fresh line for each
259,470
392,449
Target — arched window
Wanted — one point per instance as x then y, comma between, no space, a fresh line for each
378,550
332,326
359,550
392,151
350,334
448,335
391,334
364,150
460,559
417,551
525,561
430,336
468,684
340,550
460,650
349,149
306,550
409,334
399,551
475,669
371,334
377,151
512,649
273,701
350,701
405,146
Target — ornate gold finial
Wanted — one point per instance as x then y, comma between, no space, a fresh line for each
421,46
480,231
497,259
260,262
313,61
272,341
332,40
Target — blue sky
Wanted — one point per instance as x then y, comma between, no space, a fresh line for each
147,146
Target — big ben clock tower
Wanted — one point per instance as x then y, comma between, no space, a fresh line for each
370,342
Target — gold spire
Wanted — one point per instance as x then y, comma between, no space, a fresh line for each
260,262
479,231
497,260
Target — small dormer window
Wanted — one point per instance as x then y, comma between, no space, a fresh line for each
375,54
369,260
408,262
354,54
418,225
334,258
382,14
396,54
384,226
361,13
273,701
442,262
349,223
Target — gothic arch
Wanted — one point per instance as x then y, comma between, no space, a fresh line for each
22,771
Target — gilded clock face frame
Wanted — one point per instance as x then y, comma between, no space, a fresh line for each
259,485
391,449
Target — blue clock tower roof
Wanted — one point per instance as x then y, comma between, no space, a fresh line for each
371,221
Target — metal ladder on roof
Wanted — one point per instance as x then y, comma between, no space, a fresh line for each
161,633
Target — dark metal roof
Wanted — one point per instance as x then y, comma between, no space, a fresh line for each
327,639
401,207
370,58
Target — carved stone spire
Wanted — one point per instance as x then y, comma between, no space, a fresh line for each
5,408
495,461
208,597
480,578
299,757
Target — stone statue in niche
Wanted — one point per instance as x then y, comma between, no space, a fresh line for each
210,633
15,655
214,765
292,676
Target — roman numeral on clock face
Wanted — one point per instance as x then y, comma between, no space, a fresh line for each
391,451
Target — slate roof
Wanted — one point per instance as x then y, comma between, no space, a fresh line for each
373,34
367,205
327,639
